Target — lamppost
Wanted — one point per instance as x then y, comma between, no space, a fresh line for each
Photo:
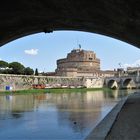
138,70
120,65
137,76
119,70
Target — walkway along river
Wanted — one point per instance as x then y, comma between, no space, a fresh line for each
65,116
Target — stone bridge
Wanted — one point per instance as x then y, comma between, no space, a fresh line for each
124,82
119,19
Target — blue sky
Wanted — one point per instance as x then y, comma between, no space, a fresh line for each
42,50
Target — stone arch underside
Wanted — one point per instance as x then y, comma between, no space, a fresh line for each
112,84
118,19
128,83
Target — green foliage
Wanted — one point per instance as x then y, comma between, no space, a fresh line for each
6,71
36,71
17,68
3,64
4,67
28,71
67,90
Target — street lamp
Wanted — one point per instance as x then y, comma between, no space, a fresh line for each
119,69
120,65
138,70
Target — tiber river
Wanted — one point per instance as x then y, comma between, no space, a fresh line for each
65,116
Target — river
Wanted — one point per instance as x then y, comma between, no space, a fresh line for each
57,116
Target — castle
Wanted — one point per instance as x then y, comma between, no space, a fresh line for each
79,63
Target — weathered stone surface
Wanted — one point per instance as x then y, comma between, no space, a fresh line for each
20,82
79,62
119,19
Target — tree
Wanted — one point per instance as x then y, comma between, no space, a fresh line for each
17,68
36,71
3,64
3,67
28,71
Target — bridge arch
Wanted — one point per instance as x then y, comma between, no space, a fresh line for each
117,19
128,83
112,84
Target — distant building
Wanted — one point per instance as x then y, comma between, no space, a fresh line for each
79,63
133,70
47,74
109,73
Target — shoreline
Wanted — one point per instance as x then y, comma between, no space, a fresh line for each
53,90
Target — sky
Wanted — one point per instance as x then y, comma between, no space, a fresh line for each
42,50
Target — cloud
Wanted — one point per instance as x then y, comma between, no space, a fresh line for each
31,52
0,59
135,64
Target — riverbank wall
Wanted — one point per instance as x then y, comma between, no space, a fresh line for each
24,82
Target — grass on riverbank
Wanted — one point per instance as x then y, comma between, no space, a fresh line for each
65,90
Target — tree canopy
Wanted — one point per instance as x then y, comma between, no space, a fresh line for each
3,64
14,68
36,71
28,71
17,68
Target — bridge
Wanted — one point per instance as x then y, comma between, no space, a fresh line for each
123,82
119,19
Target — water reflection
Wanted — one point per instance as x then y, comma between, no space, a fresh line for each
55,116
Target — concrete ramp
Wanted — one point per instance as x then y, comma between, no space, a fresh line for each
103,128
127,124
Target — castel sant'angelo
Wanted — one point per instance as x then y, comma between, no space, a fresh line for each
79,62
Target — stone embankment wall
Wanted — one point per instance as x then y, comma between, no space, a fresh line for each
21,82
93,82
17,82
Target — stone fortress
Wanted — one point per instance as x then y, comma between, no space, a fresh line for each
79,63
